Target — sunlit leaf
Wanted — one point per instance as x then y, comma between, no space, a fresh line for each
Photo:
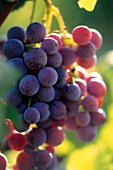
90,157
89,5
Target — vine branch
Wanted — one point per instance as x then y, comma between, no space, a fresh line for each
51,11
5,9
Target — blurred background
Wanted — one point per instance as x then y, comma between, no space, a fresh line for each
73,154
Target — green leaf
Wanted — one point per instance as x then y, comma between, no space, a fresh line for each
8,76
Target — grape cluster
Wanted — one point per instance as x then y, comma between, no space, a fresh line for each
55,91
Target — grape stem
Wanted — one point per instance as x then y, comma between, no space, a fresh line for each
51,11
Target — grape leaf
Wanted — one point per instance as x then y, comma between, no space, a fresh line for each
89,5
7,77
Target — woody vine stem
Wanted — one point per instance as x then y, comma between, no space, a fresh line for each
51,11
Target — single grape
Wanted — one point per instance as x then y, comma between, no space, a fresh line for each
3,161
29,85
31,115
13,96
86,51
35,59
53,164
55,136
81,34
82,118
96,87
81,72
61,73
13,48
45,124
54,60
43,108
18,64
86,63
90,103
22,107
68,56
58,38
24,161
96,38
57,94
36,137
17,32
60,85
49,45
70,124
57,110
47,76
59,122
94,74
82,84
72,107
42,158
87,133
35,32
28,149
98,118
72,92
46,94
17,141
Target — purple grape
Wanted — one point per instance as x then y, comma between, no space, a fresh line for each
90,103
57,94
57,110
53,164
70,124
35,32
43,108
86,51
54,60
72,92
47,76
13,96
22,107
60,84
29,85
35,58
82,84
31,115
46,94
17,32
18,64
59,122
55,136
13,48
68,56
28,149
61,73
82,118
87,133
42,159
72,107
45,124
49,45
98,118
36,137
